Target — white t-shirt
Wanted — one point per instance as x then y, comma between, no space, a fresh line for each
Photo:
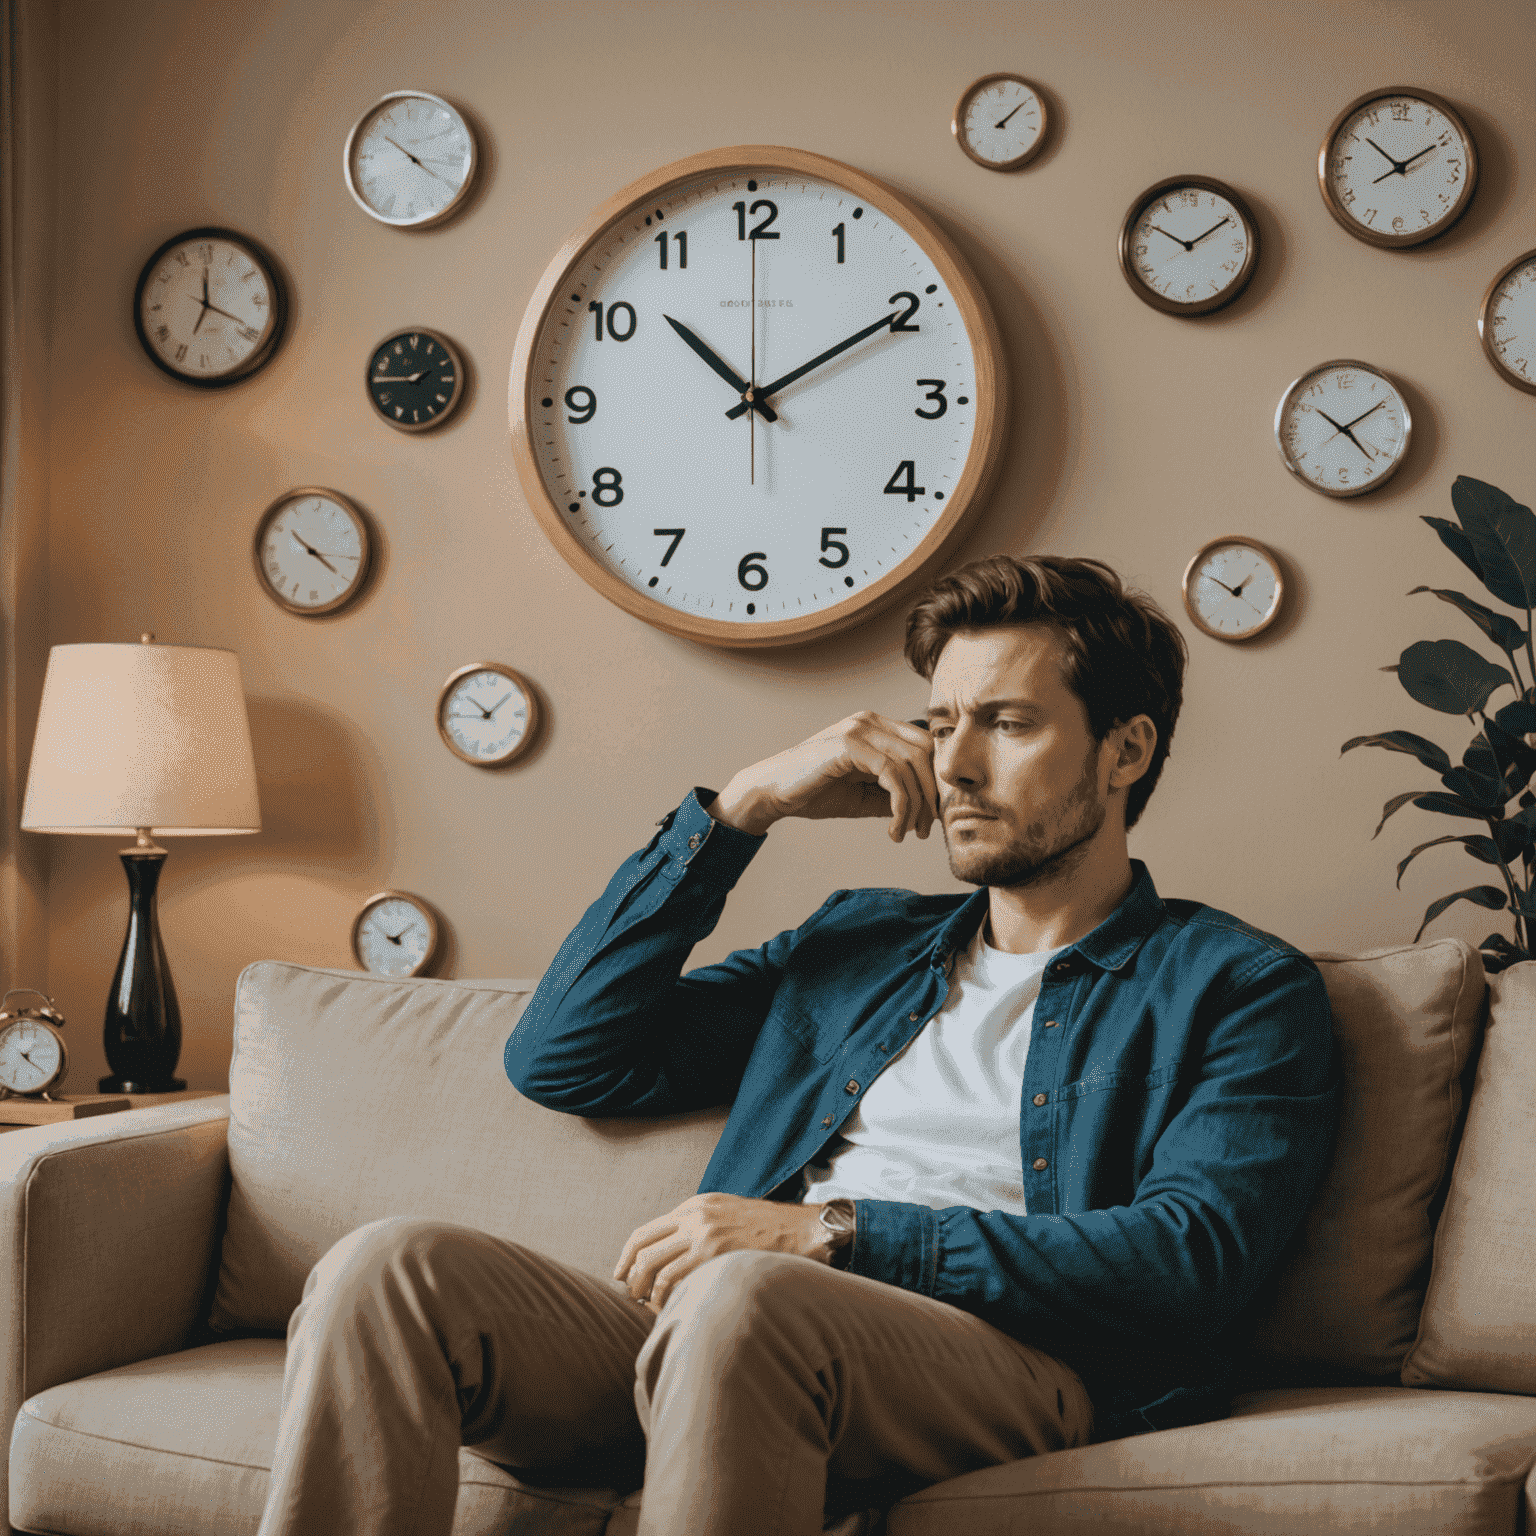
940,1125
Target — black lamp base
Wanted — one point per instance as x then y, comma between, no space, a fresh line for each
127,1085
142,1033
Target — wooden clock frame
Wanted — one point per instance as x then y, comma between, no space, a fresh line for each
991,396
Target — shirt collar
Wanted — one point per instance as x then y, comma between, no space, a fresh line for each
1110,946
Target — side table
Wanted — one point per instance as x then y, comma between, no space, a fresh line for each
135,1101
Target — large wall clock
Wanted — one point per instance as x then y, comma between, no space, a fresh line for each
756,396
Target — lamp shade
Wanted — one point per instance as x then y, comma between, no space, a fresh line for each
132,736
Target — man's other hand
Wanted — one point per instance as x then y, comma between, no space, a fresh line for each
663,1251
866,765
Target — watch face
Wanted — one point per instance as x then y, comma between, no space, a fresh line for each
1188,246
1232,589
738,524
312,550
410,159
1507,322
209,308
1000,122
1342,428
1398,168
394,935
486,714
415,380
31,1056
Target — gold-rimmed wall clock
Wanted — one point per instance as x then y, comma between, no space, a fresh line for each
487,714
312,551
1506,322
210,307
1188,245
1343,427
415,380
756,396
1397,167
1000,122
1233,588
395,934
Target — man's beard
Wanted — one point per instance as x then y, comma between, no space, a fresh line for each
1042,852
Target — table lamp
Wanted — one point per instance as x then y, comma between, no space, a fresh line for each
145,740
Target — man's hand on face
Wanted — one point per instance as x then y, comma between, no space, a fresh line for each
866,765
663,1251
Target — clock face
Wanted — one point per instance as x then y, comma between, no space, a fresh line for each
1000,122
1232,588
1188,246
487,714
312,550
394,935
31,1056
415,380
1342,428
1398,168
409,160
1507,322
209,308
875,416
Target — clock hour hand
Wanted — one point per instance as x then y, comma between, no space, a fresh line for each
1188,245
315,552
400,378
1337,427
414,161
815,362
725,371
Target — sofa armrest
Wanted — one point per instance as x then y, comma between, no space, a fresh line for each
108,1232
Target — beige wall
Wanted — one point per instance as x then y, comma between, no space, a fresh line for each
1136,437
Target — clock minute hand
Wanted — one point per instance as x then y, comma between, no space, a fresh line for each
416,162
1337,427
725,371
1004,122
817,361
1211,231
1363,414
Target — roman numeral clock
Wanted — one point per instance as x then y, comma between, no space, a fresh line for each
756,397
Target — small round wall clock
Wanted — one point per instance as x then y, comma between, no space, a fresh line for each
312,551
1342,428
415,380
409,160
1188,245
395,934
831,382
209,308
1397,167
487,714
1507,322
1000,122
1233,588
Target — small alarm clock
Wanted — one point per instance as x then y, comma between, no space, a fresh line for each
33,1056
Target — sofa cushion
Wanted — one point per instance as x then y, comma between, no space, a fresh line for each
354,1097
1478,1327
1318,1459
1347,1296
182,1445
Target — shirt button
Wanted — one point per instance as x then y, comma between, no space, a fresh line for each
1038,1100
695,840
1062,967
827,1121
881,1047
1040,1165
1050,1024
851,1086
912,1018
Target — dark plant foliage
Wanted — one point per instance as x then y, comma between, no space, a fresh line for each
1495,538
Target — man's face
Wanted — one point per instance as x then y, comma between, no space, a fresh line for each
1021,789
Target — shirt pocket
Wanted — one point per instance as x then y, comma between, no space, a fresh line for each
1120,1082
801,1027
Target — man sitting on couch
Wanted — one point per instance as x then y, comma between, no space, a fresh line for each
1001,1173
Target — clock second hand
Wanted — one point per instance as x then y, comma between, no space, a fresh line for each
752,373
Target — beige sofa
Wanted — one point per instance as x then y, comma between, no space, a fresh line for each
151,1260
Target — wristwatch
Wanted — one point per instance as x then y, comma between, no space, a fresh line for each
840,1222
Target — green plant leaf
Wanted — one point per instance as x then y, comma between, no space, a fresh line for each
1480,848
1514,837
1518,717
1457,542
1503,538
1451,805
1515,759
1497,941
1475,788
1393,806
1449,676
1498,627
1404,741
1491,896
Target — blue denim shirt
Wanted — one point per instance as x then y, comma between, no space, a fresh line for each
1176,1117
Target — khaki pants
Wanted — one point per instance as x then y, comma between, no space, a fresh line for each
763,1374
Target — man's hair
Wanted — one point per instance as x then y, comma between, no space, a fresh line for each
1122,655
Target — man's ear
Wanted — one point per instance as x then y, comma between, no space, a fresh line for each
1136,741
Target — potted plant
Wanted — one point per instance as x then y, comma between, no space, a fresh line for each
1495,538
